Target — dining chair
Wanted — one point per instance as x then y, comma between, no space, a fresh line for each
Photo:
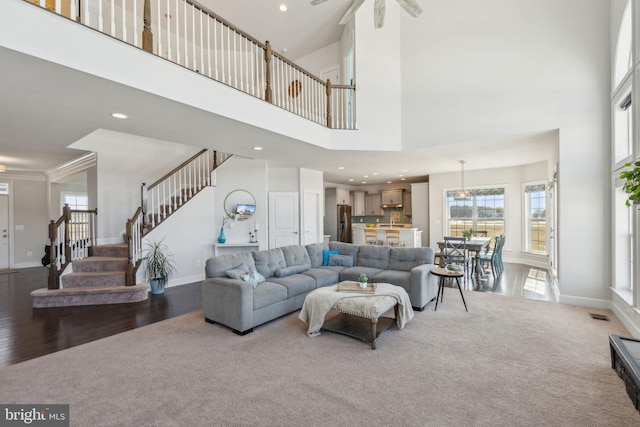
393,238
455,252
489,257
480,233
371,236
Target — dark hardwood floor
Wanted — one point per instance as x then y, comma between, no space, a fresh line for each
26,332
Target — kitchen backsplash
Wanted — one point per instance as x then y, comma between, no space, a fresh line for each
399,219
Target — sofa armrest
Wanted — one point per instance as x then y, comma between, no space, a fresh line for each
424,285
228,302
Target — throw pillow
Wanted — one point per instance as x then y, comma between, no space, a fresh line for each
325,256
237,272
294,269
253,278
341,260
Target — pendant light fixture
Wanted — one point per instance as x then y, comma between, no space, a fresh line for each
461,194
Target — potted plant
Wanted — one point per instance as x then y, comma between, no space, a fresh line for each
468,234
159,265
632,183
363,280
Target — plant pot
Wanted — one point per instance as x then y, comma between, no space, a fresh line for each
157,286
363,285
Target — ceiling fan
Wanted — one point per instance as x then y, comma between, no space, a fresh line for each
410,6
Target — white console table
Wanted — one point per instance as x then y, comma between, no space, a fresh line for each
234,248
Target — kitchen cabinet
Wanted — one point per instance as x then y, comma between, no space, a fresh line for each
406,203
392,197
342,197
372,204
358,203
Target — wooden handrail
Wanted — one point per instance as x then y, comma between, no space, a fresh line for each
176,169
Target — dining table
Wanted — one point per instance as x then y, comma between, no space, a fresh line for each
476,245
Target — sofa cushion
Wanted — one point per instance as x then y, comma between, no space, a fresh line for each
374,256
218,266
324,276
294,269
406,258
342,260
296,284
268,293
346,249
296,255
267,262
253,278
395,277
238,271
353,273
326,255
315,253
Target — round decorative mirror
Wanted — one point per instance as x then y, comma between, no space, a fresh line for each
240,205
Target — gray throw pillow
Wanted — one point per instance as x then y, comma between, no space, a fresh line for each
238,271
341,260
294,269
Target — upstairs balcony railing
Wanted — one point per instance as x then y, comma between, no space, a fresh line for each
190,35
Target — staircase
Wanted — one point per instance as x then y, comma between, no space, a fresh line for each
98,279
106,274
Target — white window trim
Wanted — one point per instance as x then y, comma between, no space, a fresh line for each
445,213
525,219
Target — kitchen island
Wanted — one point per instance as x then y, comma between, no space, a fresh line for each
412,237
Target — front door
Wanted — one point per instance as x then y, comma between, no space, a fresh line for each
284,219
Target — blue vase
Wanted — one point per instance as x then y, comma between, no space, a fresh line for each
222,238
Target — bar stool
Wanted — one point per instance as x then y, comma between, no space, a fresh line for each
371,236
393,238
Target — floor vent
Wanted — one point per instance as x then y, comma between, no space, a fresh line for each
596,316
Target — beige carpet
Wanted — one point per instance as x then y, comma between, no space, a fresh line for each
508,362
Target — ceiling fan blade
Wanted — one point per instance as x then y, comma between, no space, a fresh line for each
411,7
315,2
378,14
351,11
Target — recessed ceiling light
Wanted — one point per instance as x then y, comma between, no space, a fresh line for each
366,176
405,170
284,50
3,168
403,179
341,167
400,175
257,148
375,173
119,115
283,8
350,179
364,182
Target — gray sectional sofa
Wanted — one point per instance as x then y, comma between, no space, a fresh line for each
232,297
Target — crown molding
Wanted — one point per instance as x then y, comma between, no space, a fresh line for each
70,168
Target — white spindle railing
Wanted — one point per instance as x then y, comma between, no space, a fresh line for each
82,232
188,34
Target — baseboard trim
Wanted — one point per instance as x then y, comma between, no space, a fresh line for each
585,302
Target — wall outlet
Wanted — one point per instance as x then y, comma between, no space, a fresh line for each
29,253
377,219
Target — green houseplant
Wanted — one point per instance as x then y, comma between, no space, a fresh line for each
159,265
363,280
468,233
632,183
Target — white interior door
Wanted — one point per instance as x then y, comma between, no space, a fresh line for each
4,232
311,222
284,219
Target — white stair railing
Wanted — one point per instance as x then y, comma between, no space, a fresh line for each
188,34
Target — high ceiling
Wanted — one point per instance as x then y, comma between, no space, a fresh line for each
42,116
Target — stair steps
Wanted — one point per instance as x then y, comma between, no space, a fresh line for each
98,279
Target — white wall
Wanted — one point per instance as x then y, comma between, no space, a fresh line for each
420,210
239,173
318,61
512,178
124,163
311,186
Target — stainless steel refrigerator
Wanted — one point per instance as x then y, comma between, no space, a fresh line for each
344,223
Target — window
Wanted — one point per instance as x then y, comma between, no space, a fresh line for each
80,223
77,201
536,218
622,240
4,189
483,210
623,59
623,128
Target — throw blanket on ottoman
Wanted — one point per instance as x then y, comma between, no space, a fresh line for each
318,303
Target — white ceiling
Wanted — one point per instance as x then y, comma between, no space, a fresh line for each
47,107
